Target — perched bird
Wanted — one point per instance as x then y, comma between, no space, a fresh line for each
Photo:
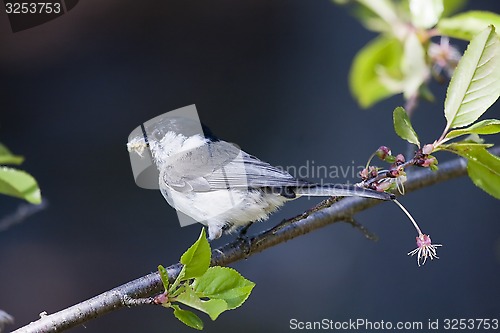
218,184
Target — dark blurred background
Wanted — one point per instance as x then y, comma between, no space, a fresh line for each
268,75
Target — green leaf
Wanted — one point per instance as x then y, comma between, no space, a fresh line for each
196,259
385,14
381,56
488,126
462,147
467,25
425,13
382,16
426,94
164,276
484,170
402,126
483,167
452,6
475,85
475,138
19,184
212,307
188,318
6,157
224,283
414,67
341,2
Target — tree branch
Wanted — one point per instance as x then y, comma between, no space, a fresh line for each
329,212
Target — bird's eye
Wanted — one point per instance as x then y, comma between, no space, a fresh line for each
158,134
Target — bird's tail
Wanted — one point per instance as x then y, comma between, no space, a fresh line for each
341,190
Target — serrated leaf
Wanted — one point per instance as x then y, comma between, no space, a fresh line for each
475,84
196,259
212,307
483,167
19,184
188,318
164,276
224,283
484,171
403,127
6,157
488,126
462,147
381,55
469,24
425,13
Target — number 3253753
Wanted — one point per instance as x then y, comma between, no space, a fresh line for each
33,8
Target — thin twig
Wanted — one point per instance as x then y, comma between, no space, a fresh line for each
364,230
151,284
22,212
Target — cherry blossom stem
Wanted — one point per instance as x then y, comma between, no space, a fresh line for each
409,216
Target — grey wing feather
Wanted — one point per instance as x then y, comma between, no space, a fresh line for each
221,165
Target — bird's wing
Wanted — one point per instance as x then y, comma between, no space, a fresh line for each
221,165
